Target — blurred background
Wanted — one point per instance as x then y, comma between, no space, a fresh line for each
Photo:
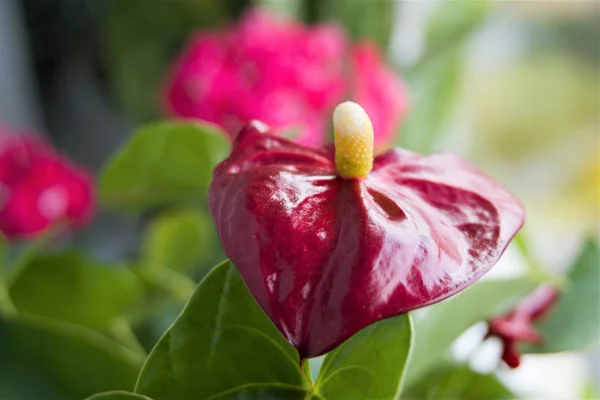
513,86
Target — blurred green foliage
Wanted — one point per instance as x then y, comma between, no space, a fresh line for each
535,105
362,19
458,382
436,79
178,239
70,288
574,323
141,40
77,361
443,323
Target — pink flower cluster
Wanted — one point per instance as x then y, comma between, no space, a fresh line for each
39,187
285,74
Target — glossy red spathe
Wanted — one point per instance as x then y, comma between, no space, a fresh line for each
326,256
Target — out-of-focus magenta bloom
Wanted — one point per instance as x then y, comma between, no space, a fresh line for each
325,254
286,74
517,326
39,187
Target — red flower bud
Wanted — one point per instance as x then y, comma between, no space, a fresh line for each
326,254
39,187
517,326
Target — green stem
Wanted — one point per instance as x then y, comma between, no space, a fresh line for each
305,368
29,253
311,11
7,307
177,285
121,330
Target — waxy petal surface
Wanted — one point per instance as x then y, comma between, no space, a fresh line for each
326,256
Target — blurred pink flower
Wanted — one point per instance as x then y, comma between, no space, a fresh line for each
285,74
39,187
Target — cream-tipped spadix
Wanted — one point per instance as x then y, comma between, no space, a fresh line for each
353,134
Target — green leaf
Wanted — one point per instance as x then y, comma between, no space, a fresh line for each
574,322
265,392
162,164
370,365
222,346
70,288
458,382
118,395
362,19
178,240
452,23
443,323
76,360
435,86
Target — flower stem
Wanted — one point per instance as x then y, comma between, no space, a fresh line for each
120,329
305,368
177,285
30,251
7,308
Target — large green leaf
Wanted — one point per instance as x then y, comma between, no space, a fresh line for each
362,19
222,346
164,163
370,365
70,288
443,323
118,395
458,382
178,240
76,360
574,323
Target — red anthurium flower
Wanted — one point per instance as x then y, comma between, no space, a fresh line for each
517,326
331,240
39,188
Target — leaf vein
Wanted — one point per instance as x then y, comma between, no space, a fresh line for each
216,331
